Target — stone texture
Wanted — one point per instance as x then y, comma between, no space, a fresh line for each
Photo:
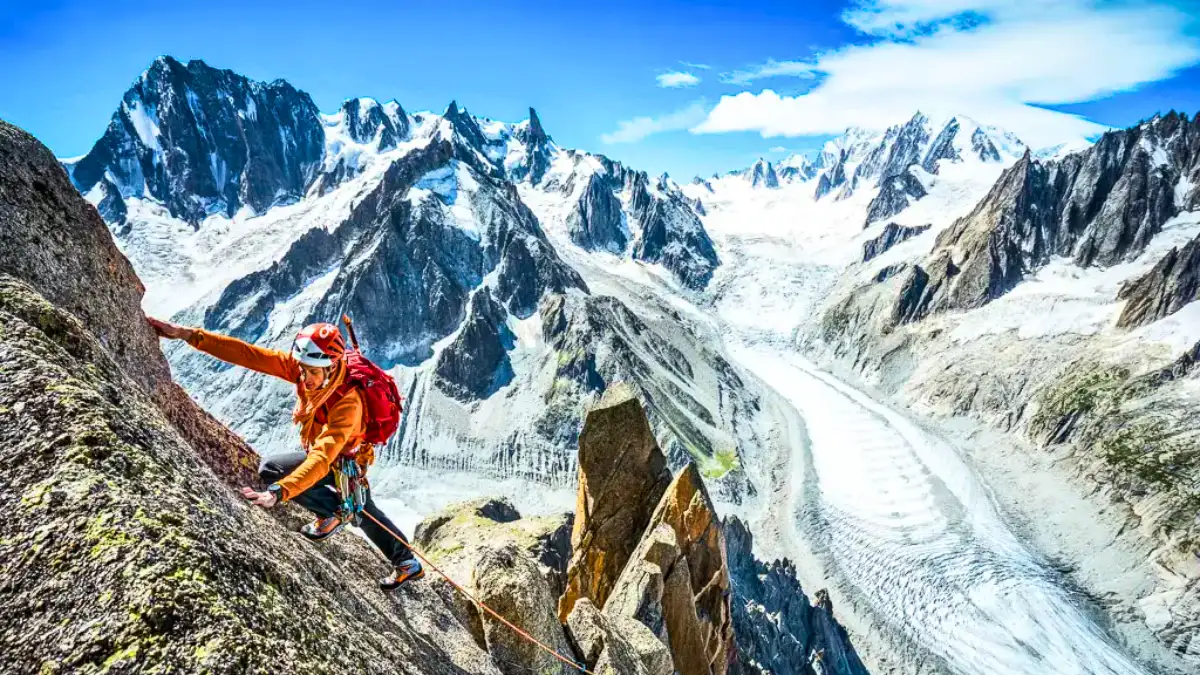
622,475
776,628
597,223
895,194
55,241
475,364
701,624
602,644
460,534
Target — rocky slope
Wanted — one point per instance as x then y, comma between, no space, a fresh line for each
121,487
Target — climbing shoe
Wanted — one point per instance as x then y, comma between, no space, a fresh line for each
404,572
322,528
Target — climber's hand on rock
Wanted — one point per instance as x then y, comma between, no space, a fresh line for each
169,330
265,499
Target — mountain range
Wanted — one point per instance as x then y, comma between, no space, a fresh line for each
1042,294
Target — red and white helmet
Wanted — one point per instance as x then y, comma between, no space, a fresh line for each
319,345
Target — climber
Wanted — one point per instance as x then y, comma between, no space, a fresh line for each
329,426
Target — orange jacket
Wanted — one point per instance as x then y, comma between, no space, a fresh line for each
343,424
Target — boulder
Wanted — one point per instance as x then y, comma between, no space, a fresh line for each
501,559
604,646
622,475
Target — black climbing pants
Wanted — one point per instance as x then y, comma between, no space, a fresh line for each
323,500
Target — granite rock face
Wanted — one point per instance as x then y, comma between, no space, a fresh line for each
895,194
475,364
202,140
622,475
56,242
778,630
598,222
1164,290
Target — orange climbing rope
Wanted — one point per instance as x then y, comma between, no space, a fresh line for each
546,648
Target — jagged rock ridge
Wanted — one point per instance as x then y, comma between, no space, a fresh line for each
202,140
1098,207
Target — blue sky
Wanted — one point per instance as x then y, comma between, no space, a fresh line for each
683,87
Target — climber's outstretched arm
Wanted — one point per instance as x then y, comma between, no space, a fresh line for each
232,350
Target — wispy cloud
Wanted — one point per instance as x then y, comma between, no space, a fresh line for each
631,131
698,66
675,79
778,149
995,60
771,68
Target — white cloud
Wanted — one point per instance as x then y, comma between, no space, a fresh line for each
698,66
771,68
778,148
630,131
993,60
675,79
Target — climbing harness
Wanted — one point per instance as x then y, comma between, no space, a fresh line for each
351,482
578,665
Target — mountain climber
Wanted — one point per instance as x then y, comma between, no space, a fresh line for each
329,426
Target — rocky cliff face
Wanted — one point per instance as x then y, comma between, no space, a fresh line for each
892,234
55,242
202,140
1164,290
777,629
1098,207
618,490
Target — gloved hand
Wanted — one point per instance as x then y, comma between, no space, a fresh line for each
265,499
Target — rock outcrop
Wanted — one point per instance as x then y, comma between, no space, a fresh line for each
369,123
671,233
56,242
777,629
475,363
622,476
598,223
1172,283
202,140
895,194
892,234
761,174
677,582
501,558
539,151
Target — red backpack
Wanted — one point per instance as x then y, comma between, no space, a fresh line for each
382,401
